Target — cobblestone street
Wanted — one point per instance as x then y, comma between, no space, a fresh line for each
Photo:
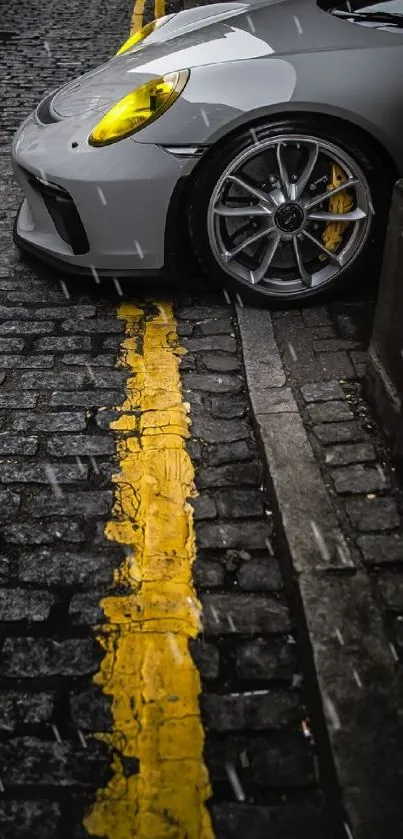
59,343
109,728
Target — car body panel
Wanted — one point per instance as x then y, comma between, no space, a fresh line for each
116,222
279,86
248,60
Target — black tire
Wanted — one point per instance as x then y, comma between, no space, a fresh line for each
379,176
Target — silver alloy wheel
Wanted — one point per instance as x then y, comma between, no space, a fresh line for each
269,210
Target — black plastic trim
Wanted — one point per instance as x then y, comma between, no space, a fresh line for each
63,213
43,111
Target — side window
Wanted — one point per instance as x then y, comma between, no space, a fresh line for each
394,7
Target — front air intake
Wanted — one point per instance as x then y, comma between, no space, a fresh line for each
63,213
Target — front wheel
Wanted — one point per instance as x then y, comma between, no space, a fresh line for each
285,213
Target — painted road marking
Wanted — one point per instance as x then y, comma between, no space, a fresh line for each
137,17
159,8
159,785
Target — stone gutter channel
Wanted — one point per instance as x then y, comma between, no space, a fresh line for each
337,509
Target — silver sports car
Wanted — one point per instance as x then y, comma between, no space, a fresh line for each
265,133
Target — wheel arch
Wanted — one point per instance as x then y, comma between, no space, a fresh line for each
326,120
177,233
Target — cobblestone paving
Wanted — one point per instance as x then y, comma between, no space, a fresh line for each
324,350
246,657
58,349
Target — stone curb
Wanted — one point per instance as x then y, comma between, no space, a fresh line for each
340,628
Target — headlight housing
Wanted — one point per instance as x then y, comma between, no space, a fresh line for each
139,108
141,35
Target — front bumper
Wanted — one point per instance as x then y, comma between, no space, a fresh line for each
89,209
65,266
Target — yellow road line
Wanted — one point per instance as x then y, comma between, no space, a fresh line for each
159,8
137,16
147,668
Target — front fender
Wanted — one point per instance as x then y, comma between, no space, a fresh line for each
219,97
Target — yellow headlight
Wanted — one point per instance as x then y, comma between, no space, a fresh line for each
139,108
139,36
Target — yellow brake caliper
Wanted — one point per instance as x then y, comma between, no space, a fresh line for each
332,235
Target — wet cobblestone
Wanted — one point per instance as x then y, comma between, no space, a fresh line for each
56,360
251,656
356,464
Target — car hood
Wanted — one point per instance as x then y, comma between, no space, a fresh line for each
209,35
